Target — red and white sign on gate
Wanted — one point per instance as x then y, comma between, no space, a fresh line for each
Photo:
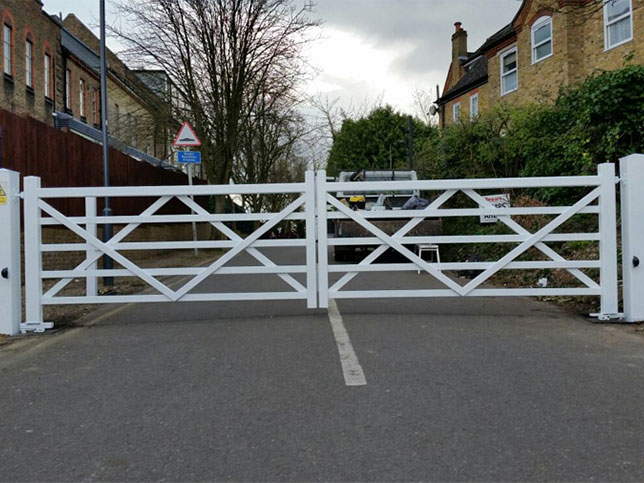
186,137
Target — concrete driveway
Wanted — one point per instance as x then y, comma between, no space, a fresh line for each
451,390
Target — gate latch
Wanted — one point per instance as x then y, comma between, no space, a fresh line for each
5,273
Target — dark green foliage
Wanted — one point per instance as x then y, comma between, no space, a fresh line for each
375,142
600,120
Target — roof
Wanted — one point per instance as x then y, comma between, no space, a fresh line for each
476,73
496,38
63,120
77,47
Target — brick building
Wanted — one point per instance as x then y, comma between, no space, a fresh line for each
52,73
548,44
32,62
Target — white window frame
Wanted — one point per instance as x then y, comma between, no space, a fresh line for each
472,97
47,68
29,63
68,89
456,112
540,22
7,49
607,24
502,56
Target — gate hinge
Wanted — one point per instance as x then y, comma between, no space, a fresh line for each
37,327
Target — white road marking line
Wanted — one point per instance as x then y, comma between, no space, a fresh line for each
353,375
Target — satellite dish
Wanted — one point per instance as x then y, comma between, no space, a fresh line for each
433,110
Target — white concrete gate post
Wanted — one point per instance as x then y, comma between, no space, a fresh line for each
10,286
631,170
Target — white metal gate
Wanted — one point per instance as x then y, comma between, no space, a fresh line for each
314,204
39,212
599,201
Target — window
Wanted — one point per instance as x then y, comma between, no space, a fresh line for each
509,72
474,106
457,112
68,89
48,76
541,39
81,98
7,41
618,22
29,63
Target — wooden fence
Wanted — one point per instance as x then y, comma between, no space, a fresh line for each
64,159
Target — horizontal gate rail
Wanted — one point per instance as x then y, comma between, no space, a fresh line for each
557,237
178,190
173,245
164,219
460,184
443,213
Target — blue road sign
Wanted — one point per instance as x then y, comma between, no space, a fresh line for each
189,157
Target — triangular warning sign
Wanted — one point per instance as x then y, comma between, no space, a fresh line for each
186,137
3,196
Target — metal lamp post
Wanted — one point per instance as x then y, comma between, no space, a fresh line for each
108,263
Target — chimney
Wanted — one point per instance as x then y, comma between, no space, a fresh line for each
459,50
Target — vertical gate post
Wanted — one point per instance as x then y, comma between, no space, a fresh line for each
631,170
91,282
10,286
311,274
323,250
33,259
608,242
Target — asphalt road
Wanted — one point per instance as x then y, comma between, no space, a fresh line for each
457,389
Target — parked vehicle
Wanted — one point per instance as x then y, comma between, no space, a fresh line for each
377,201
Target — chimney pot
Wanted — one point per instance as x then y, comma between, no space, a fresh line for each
458,26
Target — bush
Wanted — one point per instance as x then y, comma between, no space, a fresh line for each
597,121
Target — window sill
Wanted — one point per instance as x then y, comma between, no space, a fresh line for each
30,91
8,78
534,62
509,92
69,111
84,119
607,48
49,100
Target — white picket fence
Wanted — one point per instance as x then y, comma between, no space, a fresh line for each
314,205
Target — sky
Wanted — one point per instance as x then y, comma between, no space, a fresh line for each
368,50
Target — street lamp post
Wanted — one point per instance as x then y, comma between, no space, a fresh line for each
108,263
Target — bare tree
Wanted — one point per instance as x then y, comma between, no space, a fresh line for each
224,57
422,104
582,10
267,141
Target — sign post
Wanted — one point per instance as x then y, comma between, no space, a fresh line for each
185,139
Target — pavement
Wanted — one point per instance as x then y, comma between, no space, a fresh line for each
455,390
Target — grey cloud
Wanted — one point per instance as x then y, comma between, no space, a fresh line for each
425,24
